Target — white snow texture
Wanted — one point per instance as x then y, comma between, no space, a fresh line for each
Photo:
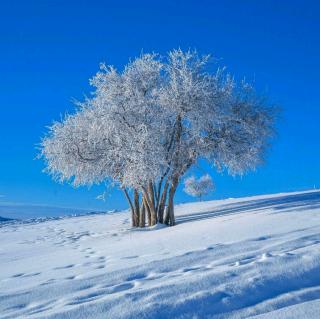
255,257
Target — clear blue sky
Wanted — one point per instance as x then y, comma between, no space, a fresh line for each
49,50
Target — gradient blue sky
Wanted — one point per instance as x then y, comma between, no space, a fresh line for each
49,50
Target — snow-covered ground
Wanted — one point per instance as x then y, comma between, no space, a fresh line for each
256,257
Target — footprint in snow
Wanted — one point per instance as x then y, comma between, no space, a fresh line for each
70,278
262,238
93,263
265,256
41,307
185,270
48,282
244,261
64,267
86,250
136,277
121,287
153,276
130,257
100,267
17,307
87,298
32,274
97,294
86,286
24,275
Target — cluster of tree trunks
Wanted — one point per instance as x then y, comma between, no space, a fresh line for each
153,204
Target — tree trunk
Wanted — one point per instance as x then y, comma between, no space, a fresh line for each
162,203
136,207
147,209
133,219
153,218
166,216
142,219
170,218
150,206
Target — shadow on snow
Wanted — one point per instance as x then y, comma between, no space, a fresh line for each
296,203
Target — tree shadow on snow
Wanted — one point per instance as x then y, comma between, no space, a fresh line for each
295,203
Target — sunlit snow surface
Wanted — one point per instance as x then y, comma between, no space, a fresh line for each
256,257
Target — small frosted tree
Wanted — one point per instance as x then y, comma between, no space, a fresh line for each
198,187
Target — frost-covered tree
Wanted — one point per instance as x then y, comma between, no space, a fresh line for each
198,187
145,126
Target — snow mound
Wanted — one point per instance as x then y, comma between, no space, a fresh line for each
254,257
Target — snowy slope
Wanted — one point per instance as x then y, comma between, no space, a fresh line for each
256,257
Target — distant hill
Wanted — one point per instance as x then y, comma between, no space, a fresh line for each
24,211
2,219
